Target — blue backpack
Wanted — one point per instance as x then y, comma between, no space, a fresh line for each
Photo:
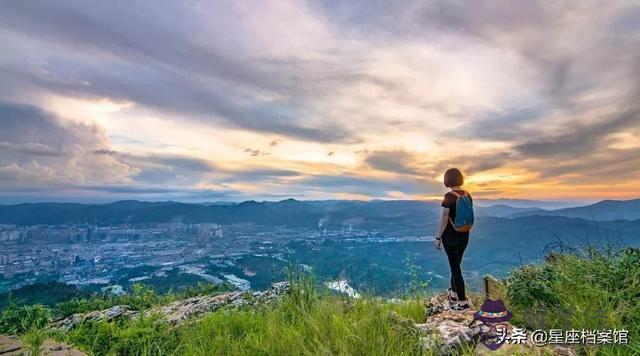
464,212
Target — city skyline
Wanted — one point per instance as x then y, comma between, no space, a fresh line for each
267,100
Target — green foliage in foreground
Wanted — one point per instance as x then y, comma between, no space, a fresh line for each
141,297
21,319
309,323
49,294
145,336
303,322
589,289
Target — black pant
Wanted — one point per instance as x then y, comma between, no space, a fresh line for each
454,247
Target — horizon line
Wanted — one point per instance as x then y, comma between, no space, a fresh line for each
106,202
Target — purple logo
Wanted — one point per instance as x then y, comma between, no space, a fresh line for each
494,317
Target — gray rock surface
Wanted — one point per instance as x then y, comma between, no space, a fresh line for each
110,314
180,310
445,329
190,308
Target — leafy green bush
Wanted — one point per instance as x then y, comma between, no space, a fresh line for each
84,305
144,336
141,297
533,285
589,289
204,289
98,338
21,319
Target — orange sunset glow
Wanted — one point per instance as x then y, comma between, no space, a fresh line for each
229,101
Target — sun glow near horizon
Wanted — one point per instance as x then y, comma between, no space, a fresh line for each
367,109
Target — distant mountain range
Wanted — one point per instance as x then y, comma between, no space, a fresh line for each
606,210
287,212
528,203
501,210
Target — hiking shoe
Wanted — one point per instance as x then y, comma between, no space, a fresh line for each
460,307
453,296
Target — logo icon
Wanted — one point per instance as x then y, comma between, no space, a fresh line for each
494,317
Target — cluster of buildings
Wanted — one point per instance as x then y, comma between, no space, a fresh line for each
82,254
89,254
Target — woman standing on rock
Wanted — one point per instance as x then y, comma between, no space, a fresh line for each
456,222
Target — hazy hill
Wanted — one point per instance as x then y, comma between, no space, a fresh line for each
605,210
528,203
287,212
281,213
502,210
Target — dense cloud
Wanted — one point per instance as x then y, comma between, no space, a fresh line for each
285,93
395,161
39,148
367,186
138,51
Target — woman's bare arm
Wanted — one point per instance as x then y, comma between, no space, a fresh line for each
443,225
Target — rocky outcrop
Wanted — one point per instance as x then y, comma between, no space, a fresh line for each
190,308
110,314
180,310
13,346
446,329
449,331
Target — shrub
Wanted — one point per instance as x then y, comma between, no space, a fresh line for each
84,305
588,289
21,319
145,336
97,338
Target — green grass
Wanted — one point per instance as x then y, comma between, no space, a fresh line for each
144,336
326,327
589,289
34,340
304,322
22,319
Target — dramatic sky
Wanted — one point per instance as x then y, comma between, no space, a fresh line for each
233,100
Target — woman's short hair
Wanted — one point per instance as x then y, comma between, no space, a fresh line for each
453,178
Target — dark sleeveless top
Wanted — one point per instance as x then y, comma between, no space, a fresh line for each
449,201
